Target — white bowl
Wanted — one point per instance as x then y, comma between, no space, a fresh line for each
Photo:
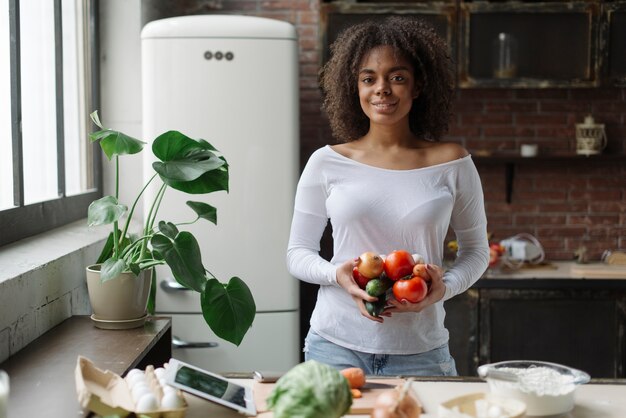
545,388
478,405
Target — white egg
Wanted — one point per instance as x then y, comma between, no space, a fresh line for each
168,389
171,400
133,372
139,390
135,379
159,372
147,403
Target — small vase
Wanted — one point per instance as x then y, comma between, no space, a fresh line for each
119,303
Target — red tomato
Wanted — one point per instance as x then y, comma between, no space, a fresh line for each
498,248
412,290
494,256
399,264
359,278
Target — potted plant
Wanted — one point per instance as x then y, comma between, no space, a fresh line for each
192,166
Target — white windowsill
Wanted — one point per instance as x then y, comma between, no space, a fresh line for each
42,282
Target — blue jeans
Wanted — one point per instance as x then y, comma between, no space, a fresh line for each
436,362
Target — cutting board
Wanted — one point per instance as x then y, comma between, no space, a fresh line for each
364,405
599,271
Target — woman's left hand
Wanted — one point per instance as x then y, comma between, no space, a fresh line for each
435,293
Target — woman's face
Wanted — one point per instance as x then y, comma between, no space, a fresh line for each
386,86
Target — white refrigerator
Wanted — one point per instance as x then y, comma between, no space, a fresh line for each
233,81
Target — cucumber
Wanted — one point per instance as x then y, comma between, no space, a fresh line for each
375,308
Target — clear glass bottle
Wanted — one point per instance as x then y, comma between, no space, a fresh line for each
504,56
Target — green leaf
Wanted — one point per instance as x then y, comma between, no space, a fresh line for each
189,165
212,181
104,211
168,229
182,255
188,168
111,269
228,309
96,119
118,143
174,145
107,250
204,210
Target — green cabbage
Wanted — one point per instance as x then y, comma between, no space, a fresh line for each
310,390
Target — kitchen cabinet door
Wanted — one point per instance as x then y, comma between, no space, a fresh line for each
517,44
578,328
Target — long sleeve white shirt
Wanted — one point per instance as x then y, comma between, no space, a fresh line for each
381,210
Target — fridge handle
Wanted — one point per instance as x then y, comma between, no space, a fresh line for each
172,286
178,343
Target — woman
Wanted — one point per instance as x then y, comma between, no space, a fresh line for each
389,185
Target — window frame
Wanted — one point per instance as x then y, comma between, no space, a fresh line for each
23,221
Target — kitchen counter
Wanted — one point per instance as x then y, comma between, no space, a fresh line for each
42,374
593,400
557,274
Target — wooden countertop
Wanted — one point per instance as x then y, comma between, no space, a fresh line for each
593,400
557,274
42,374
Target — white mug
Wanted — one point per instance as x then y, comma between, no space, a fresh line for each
4,394
528,150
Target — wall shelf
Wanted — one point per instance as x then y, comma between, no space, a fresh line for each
511,161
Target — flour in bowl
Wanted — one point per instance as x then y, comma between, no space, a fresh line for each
542,381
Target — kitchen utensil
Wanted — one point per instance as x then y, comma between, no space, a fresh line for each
546,388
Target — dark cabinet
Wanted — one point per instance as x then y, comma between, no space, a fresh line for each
582,326
528,44
614,42
509,44
338,15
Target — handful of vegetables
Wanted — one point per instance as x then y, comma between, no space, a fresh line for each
406,275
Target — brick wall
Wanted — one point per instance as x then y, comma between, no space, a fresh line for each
564,203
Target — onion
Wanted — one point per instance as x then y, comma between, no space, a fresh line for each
399,402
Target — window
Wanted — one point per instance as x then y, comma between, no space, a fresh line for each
49,172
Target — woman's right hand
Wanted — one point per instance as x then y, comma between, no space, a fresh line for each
346,281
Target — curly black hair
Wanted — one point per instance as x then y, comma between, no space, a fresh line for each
413,39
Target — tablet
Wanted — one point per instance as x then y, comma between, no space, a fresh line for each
210,386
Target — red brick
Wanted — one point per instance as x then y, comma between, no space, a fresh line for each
307,18
563,207
607,207
497,118
523,219
541,94
539,195
595,195
564,107
557,132
485,94
596,94
540,119
562,232
593,219
509,106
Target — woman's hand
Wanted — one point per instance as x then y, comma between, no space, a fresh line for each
435,293
345,280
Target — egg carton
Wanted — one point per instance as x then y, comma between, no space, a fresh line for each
106,393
